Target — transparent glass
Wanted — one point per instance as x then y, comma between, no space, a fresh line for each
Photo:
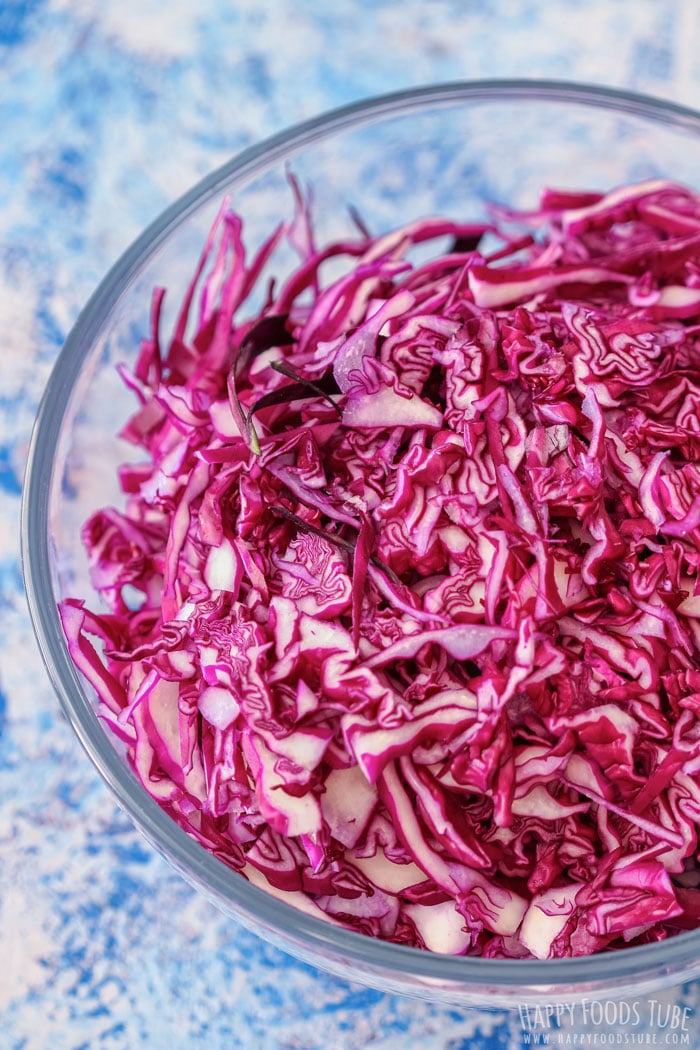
445,149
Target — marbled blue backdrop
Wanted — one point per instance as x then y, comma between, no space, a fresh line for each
109,110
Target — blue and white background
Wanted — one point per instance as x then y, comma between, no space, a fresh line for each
109,110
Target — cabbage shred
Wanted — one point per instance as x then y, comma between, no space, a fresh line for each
400,618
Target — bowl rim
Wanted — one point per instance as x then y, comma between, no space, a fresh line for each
183,852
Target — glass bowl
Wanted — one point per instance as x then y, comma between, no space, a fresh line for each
445,149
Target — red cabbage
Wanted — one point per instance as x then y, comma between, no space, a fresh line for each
401,616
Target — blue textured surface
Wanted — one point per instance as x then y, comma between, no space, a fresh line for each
109,110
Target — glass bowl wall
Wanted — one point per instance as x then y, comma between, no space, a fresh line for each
448,149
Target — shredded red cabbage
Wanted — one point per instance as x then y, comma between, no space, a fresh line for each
404,607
